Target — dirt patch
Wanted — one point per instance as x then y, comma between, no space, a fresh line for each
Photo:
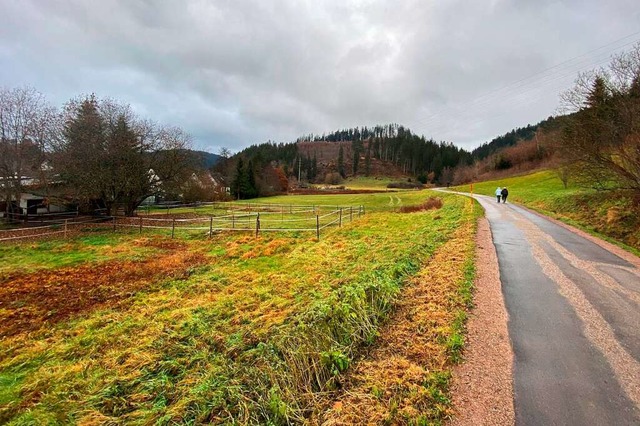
29,301
483,385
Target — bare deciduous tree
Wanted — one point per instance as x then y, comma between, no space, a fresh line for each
28,126
601,141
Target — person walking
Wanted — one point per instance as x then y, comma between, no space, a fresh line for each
498,193
505,194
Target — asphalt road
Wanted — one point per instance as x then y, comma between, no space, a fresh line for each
574,321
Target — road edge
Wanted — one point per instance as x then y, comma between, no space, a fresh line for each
482,387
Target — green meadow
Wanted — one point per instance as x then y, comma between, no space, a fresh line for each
129,328
608,214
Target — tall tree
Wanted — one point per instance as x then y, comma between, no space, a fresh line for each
367,162
601,140
109,155
27,131
244,185
341,169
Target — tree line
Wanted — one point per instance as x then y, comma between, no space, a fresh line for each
266,168
91,152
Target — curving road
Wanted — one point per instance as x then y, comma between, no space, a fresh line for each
574,321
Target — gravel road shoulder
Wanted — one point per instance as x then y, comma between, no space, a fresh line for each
482,388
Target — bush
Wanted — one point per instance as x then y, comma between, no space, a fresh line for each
332,178
432,203
404,185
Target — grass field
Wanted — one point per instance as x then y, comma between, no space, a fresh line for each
364,182
140,329
386,201
604,213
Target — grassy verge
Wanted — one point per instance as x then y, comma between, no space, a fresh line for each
606,214
252,335
404,379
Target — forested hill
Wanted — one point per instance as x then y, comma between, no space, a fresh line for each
513,137
383,149
206,159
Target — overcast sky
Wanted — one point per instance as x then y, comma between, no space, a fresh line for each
234,73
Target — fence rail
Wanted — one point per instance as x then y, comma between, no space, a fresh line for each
292,219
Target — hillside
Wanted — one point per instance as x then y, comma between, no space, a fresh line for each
205,159
327,153
607,213
385,150
515,136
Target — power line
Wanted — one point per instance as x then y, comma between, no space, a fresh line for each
460,114
541,78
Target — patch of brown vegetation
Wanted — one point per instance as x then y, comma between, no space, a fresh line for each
392,385
159,243
29,301
432,203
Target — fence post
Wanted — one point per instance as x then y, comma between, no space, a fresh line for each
318,227
211,227
257,224
140,224
233,220
114,224
340,217
173,227
350,213
65,227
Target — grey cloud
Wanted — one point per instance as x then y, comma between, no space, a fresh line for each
239,72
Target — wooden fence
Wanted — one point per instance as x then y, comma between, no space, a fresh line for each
236,218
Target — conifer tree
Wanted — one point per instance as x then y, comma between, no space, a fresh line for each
341,162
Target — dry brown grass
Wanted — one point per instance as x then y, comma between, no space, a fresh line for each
398,380
48,296
432,203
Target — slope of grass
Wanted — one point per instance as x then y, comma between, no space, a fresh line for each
30,256
376,201
250,337
405,376
390,200
370,182
608,214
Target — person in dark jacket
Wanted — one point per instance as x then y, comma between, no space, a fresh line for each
505,194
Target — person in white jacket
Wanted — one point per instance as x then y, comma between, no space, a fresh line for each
498,193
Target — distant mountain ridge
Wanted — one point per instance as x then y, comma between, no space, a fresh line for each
205,159
514,136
